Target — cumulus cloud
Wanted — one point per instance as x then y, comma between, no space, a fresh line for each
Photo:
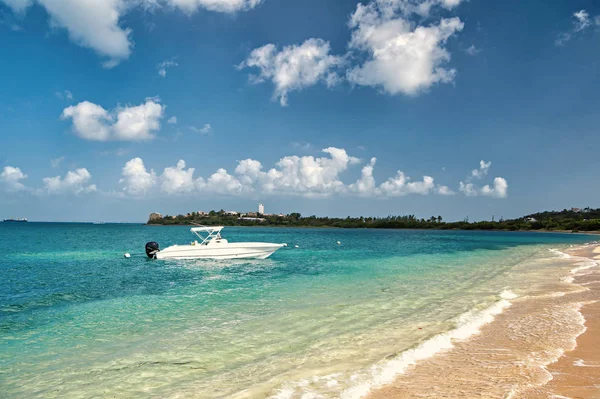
498,190
444,190
294,67
136,179
581,21
74,182
401,57
130,123
307,176
163,66
97,25
396,54
178,179
10,179
94,25
221,182
484,167
366,184
468,189
401,185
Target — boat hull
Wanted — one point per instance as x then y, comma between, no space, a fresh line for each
224,251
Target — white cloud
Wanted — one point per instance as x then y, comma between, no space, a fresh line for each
293,175
163,66
484,167
97,24
366,184
10,179
177,179
581,21
444,190
55,163
130,123
136,179
400,185
449,4
226,6
221,182
402,58
172,120
206,129
295,67
308,175
419,7
93,24
499,189
249,170
74,182
468,189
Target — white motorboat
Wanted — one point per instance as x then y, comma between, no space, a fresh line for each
213,246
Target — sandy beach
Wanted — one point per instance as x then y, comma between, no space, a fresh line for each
542,346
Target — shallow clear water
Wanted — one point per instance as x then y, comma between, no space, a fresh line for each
79,320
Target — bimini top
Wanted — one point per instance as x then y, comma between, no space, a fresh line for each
206,229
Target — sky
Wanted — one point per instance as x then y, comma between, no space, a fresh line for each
113,109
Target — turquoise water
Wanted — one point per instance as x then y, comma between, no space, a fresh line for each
78,320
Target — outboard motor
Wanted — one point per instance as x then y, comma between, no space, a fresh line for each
152,249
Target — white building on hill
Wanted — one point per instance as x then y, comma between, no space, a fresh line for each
261,209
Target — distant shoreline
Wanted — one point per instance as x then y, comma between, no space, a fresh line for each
592,232
595,232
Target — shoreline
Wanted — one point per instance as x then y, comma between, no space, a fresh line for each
592,232
542,347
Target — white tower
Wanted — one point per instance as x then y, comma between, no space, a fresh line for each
261,209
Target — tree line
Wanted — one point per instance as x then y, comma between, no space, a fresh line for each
586,219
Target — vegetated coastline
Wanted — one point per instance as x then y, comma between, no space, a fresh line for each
575,220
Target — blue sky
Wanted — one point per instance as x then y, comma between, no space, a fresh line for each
469,107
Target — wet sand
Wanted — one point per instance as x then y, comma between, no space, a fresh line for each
577,373
545,346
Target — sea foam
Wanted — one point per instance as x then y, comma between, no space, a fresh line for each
363,382
469,324
560,254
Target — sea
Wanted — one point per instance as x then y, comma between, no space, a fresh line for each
335,314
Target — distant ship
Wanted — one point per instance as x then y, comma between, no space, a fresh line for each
17,220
